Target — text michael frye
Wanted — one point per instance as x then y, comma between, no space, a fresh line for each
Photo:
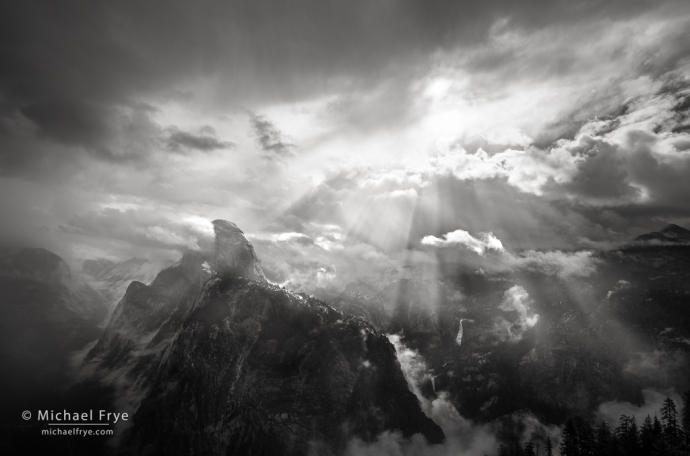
63,416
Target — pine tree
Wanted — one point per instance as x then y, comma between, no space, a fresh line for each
685,416
626,433
658,429
517,449
615,445
569,439
632,442
647,438
528,449
669,416
548,449
660,446
502,450
623,427
603,444
585,437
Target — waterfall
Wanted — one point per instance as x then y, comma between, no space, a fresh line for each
458,338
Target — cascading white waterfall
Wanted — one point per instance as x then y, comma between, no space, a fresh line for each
458,338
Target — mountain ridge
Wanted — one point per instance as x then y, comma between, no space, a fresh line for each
671,233
213,315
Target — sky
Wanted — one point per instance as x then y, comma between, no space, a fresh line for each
349,140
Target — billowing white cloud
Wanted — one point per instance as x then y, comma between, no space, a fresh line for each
528,170
515,299
479,245
555,262
564,264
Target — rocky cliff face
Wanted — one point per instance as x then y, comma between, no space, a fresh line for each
219,361
256,369
234,254
142,327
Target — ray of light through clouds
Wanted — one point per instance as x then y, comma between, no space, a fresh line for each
350,140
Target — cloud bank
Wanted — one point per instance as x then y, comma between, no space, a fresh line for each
551,126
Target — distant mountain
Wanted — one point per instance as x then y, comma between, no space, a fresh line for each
111,278
45,315
40,300
210,345
670,234
35,264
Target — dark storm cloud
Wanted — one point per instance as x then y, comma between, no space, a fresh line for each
63,72
84,84
204,141
639,173
68,64
68,121
601,175
271,140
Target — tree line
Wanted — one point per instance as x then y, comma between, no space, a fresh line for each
665,434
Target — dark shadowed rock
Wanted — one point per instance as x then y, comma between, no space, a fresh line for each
670,234
142,327
676,232
256,369
148,317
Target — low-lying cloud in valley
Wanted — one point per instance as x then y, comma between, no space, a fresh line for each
462,435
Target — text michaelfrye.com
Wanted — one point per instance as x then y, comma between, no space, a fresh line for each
71,423
76,432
